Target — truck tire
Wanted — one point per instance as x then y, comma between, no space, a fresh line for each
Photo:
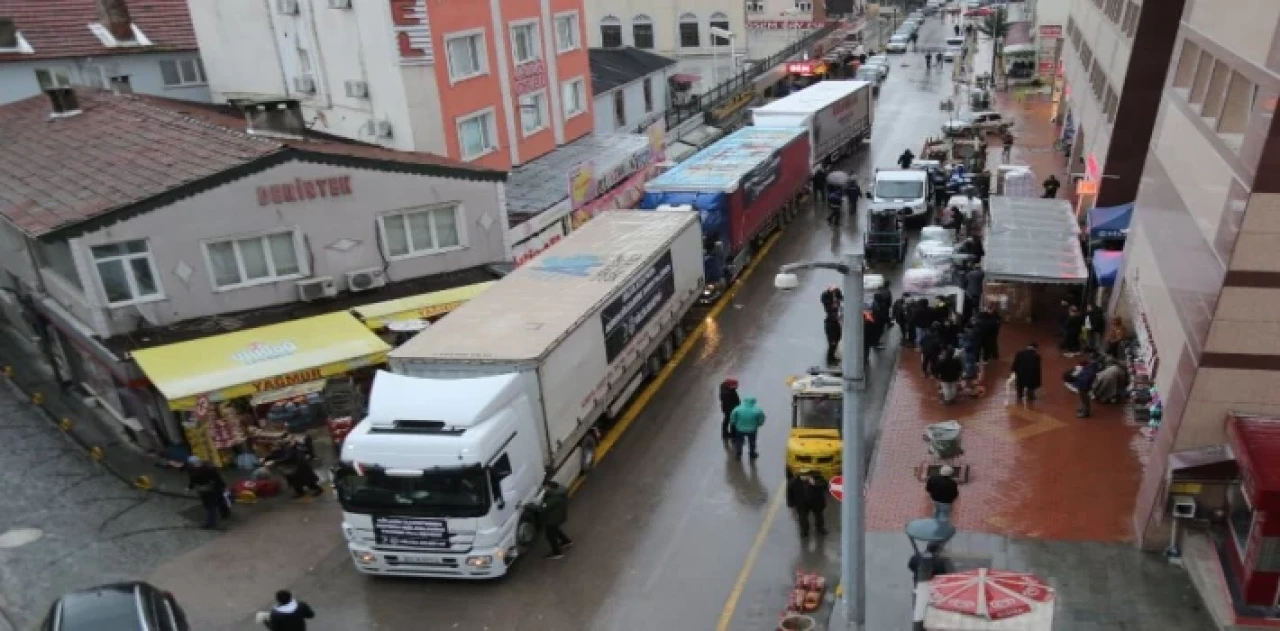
587,455
526,532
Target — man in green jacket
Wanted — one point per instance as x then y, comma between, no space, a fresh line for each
746,420
553,511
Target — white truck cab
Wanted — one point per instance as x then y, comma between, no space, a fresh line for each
903,188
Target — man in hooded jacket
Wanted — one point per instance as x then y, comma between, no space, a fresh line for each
729,401
831,326
289,614
746,419
807,494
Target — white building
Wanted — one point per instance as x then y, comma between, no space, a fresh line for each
665,27
92,42
630,88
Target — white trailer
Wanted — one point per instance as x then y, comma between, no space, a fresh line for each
510,390
838,115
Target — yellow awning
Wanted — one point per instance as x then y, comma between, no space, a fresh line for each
420,307
243,363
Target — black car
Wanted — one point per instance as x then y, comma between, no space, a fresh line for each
133,606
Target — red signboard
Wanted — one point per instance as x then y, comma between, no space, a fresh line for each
1046,67
531,77
1054,32
807,68
301,190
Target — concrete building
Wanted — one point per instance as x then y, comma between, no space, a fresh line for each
1113,67
495,84
630,88
185,221
149,44
1201,280
665,27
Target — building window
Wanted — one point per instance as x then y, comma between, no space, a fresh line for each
466,55
255,260
422,231
1130,23
53,78
566,32
1200,84
127,272
524,43
610,32
804,7
1217,90
1184,73
619,108
721,21
179,73
648,95
533,112
755,6
689,31
477,134
1114,10
1241,95
642,32
573,96
1110,104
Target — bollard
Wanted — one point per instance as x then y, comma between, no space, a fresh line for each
143,482
65,425
97,454
37,398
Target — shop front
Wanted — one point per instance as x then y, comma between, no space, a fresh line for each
396,320
807,73
236,395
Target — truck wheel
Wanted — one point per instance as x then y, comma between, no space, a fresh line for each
526,532
590,443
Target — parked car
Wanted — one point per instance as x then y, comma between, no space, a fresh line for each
977,123
880,69
897,44
132,606
952,53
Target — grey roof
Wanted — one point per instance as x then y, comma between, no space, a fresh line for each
538,185
1033,240
615,67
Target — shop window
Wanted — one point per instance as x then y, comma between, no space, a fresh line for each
1216,92
1185,71
1239,516
466,55
566,32
648,95
610,32
619,108
1201,82
720,21
642,32
533,112
53,78
127,272
524,43
179,73
689,36
236,263
58,258
1236,107
423,231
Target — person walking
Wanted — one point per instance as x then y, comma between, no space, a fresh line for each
988,323
291,456
921,320
1117,335
807,495
832,299
944,491
746,419
872,329
973,286
831,326
209,486
1094,324
553,511
906,159
901,312
1006,152
1051,186
1082,382
950,370
729,400
288,614
853,191
931,350
820,185
1071,330
1026,372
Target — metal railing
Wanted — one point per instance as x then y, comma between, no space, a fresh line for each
703,103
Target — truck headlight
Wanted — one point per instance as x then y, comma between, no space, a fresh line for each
365,557
480,561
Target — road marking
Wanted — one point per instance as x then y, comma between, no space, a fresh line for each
642,400
731,605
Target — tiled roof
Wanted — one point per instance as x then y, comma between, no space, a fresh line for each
615,67
60,28
134,152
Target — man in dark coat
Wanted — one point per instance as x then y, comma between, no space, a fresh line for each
872,329
1051,186
1083,385
820,186
950,370
1026,372
1071,329
988,324
289,614
292,458
209,486
832,299
921,319
1095,324
831,326
906,159
729,400
553,511
807,495
901,313
943,490
930,349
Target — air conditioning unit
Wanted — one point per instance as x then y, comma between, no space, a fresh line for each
384,129
366,279
339,4
287,7
357,89
316,288
304,84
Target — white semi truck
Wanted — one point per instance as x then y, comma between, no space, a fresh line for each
838,115
510,390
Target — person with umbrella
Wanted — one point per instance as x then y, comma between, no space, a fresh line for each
836,181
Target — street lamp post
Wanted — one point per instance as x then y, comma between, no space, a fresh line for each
852,514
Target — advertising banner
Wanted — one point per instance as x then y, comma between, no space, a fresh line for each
759,179
634,307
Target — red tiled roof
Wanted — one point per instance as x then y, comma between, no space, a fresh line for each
60,28
122,150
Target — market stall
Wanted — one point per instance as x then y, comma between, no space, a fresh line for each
238,394
1032,245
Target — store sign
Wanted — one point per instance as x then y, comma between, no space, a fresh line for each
301,190
524,251
1049,30
291,379
261,352
412,31
628,314
410,532
807,68
623,196
530,77
586,184
786,25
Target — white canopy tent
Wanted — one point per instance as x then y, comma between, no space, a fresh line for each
1033,240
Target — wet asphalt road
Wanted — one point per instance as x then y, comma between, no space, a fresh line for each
666,526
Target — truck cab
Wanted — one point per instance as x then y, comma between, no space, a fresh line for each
433,481
815,442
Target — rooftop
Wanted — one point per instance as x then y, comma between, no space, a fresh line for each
60,28
538,185
613,68
129,154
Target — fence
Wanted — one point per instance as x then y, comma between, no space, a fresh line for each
743,80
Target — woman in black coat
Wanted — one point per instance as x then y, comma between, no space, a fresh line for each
729,400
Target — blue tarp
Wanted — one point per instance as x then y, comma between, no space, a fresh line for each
1111,222
1106,266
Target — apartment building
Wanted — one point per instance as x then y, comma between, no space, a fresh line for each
664,27
494,83
1113,66
145,46
1201,281
630,88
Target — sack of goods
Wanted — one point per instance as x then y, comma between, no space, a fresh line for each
872,282
934,254
937,234
921,279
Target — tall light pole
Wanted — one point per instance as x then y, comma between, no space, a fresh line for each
852,515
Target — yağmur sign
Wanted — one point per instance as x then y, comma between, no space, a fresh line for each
301,190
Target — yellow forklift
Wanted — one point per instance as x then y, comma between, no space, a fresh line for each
815,442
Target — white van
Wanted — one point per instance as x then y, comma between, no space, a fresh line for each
903,188
955,42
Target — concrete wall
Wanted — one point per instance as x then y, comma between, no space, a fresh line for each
633,104
1111,49
177,234
18,78
665,16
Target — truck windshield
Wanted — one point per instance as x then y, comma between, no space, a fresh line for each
890,189
462,492
817,413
